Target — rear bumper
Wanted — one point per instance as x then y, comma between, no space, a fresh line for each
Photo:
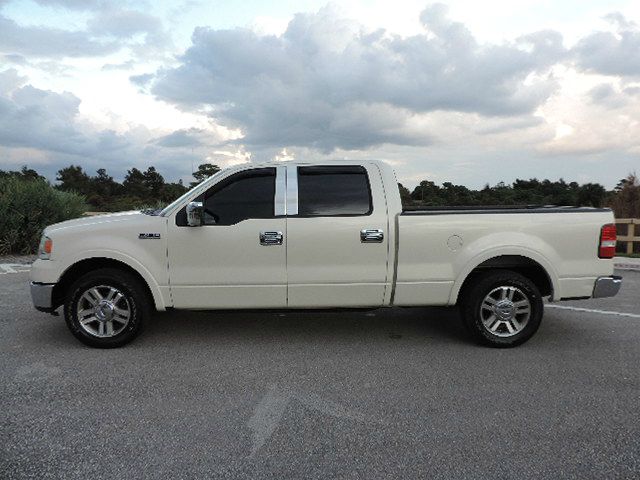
607,286
42,296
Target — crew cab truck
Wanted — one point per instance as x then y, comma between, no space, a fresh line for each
320,236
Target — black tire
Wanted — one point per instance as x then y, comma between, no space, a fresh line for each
132,298
501,332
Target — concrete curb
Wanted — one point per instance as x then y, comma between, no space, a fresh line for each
626,266
624,263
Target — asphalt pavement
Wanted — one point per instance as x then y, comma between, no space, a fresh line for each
392,393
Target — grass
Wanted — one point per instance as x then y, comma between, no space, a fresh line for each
628,255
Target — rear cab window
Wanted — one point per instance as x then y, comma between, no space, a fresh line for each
333,191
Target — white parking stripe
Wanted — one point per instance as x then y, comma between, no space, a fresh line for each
14,268
591,310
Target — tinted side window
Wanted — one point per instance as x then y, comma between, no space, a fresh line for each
244,195
326,191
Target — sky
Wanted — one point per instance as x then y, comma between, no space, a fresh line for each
462,91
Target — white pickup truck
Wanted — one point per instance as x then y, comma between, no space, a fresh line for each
313,236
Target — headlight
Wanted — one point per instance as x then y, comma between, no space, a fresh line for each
45,248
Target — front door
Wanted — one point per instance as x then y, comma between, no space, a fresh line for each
237,258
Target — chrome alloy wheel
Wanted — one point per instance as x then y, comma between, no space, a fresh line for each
103,311
505,311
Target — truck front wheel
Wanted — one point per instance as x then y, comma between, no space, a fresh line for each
502,308
106,308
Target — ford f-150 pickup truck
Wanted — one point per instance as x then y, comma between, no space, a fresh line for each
313,236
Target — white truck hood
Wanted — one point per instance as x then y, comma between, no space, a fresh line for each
133,215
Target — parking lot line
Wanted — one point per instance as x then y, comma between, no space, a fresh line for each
591,310
6,268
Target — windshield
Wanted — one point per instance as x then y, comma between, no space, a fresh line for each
184,196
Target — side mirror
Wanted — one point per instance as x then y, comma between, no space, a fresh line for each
194,214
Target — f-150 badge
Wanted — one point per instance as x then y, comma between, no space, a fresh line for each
148,236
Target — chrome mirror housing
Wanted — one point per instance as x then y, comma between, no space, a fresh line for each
194,214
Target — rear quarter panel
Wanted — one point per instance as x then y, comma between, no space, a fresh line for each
433,263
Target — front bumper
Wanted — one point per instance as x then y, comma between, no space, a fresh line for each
42,296
607,286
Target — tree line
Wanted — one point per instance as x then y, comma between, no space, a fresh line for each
139,188
148,188
624,199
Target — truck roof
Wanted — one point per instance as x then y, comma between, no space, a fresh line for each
274,163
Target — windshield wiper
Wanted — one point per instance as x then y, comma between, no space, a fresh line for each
151,211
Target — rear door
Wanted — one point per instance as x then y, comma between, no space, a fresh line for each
337,245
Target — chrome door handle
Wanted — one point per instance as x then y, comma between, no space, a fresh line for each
270,238
371,235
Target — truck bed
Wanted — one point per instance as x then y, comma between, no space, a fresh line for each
437,246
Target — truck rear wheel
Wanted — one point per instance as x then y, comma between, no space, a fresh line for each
106,308
502,308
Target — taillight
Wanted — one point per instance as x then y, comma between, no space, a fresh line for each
608,237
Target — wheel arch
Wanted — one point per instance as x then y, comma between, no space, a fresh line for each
530,266
85,265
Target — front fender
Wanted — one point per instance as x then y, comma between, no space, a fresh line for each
160,297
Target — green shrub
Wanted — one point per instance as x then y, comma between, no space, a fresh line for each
125,202
26,207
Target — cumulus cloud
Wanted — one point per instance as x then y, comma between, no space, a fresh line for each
143,80
124,23
9,80
325,87
327,83
181,138
35,118
127,65
74,4
50,42
48,121
15,59
611,53
128,25
110,29
46,127
607,95
601,120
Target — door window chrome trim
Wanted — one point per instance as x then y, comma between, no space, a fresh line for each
280,202
292,190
